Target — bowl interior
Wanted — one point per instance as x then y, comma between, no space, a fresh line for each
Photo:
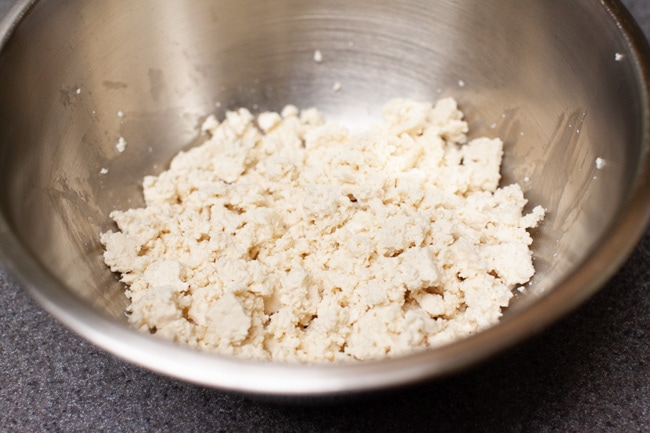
557,81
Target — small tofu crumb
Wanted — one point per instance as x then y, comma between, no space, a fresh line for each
619,57
318,56
121,144
120,114
461,83
286,238
336,87
104,170
600,163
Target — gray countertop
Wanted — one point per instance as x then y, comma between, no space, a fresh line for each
589,372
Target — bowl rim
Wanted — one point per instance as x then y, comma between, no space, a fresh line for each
275,379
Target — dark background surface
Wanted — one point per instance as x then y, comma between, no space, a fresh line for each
589,372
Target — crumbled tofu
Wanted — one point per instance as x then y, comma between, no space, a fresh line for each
336,87
286,238
619,57
318,56
600,163
209,124
121,144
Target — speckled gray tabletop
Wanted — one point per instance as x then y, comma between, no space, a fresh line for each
590,372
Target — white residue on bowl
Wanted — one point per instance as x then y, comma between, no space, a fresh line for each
336,87
318,56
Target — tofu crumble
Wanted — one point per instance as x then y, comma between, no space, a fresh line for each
287,238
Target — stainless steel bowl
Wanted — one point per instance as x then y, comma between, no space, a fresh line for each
563,83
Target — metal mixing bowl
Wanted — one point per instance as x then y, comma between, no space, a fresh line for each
562,82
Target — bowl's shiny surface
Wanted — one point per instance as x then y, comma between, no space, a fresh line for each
563,83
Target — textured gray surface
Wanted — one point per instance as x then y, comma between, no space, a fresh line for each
590,372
